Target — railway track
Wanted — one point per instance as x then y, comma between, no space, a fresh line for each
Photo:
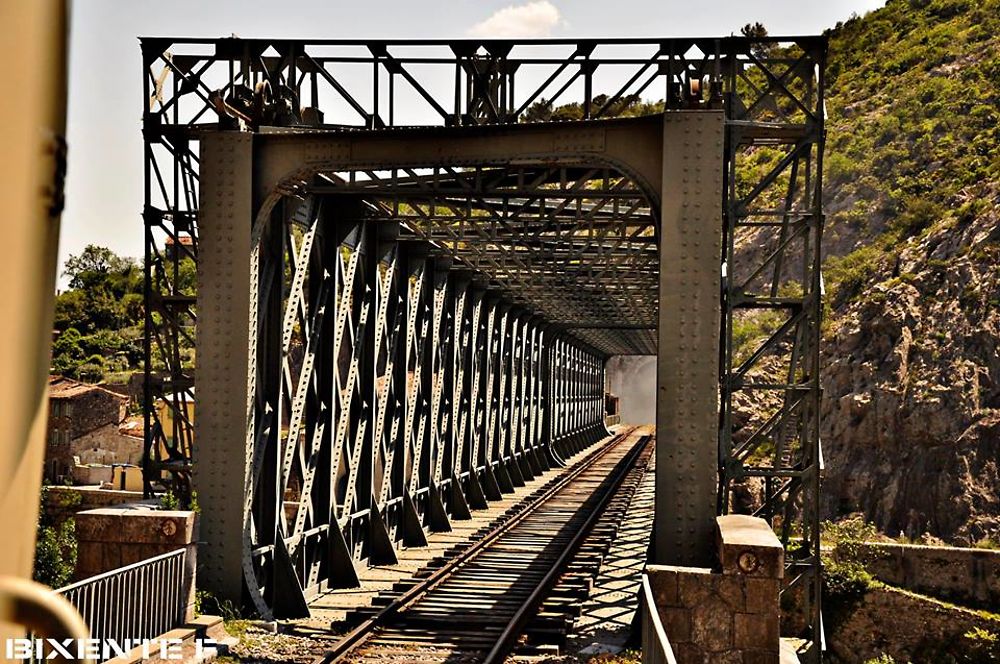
475,607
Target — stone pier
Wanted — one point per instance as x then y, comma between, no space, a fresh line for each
730,614
114,537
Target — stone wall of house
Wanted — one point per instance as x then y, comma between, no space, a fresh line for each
107,445
78,411
970,577
86,411
909,627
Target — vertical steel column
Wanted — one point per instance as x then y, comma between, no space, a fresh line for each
603,386
569,352
565,391
354,394
569,393
522,444
531,437
557,393
500,366
487,381
546,396
413,492
783,453
572,396
472,422
590,390
688,366
301,546
505,377
581,390
597,416
345,259
228,416
580,382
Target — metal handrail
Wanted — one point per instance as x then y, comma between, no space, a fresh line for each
133,603
119,570
655,644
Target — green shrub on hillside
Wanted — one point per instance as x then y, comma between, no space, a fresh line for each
845,575
982,647
99,320
914,102
881,659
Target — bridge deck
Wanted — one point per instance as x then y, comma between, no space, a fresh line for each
333,606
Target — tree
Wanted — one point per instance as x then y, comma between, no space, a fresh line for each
540,111
94,264
55,546
754,31
632,105
100,317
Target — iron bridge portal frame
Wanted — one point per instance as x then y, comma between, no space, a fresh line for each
427,296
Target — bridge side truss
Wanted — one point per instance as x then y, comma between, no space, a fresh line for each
435,397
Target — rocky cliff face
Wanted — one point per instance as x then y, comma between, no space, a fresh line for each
911,408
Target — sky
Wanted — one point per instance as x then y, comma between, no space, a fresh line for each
104,176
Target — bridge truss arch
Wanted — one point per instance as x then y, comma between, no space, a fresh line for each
443,333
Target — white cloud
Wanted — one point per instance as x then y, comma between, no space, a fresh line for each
533,19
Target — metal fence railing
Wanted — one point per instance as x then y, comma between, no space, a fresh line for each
655,645
133,603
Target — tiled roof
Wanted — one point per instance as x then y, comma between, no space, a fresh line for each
61,387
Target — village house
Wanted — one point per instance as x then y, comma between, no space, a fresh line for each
86,426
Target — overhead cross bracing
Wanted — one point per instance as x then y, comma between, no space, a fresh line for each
575,244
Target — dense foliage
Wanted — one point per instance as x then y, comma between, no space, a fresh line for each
99,318
626,106
55,549
913,144
845,574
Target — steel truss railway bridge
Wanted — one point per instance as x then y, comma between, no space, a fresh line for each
414,257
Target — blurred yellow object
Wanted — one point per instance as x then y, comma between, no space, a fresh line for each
132,478
24,602
166,415
32,123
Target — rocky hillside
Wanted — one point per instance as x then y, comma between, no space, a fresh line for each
912,341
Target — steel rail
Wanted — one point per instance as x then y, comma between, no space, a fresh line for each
521,616
358,635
